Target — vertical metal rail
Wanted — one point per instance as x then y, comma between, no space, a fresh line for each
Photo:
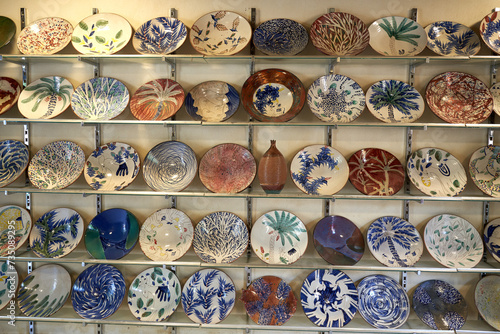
329,141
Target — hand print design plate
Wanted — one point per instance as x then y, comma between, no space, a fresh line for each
22,224
161,35
397,36
487,300
484,169
7,30
447,38
14,158
212,101
45,36
10,90
8,282
489,29
491,237
280,37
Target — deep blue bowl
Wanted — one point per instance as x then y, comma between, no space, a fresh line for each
280,37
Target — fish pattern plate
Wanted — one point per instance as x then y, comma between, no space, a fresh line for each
14,158
484,169
161,36
13,215
48,35
10,90
212,101
448,38
280,37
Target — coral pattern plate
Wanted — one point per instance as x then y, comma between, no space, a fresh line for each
45,36
484,169
161,35
212,101
7,30
447,38
14,158
8,282
22,228
280,37
489,29
491,237
10,90
488,300
397,36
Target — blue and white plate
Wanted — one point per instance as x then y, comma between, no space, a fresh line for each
447,38
13,215
491,237
161,35
280,37
212,101
8,283
14,158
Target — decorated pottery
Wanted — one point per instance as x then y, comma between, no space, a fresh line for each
212,101
14,158
453,241
495,93
280,37
7,30
484,169
269,300
491,237
161,35
10,90
208,296
487,300
8,282
45,36
490,31
154,294
220,237
272,170
397,36
21,220
447,38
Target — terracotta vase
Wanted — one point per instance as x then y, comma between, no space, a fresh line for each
272,170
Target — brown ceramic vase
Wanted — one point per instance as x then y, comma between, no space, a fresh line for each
272,170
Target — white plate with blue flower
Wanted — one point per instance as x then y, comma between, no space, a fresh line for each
161,35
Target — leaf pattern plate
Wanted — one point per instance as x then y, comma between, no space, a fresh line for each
8,283
48,35
488,300
447,38
280,37
7,30
489,29
491,237
484,169
14,158
21,219
10,90
161,35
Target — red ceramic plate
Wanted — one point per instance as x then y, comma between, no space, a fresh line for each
9,93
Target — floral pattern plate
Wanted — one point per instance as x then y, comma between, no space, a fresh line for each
490,31
7,30
447,38
280,37
20,217
14,158
8,283
488,300
10,90
397,36
161,35
212,101
491,237
45,36
484,169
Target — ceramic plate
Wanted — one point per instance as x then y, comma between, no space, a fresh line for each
336,98
14,158
8,282
394,242
491,237
100,99
329,298
10,90
21,219
45,36
98,292
383,303
319,170
169,166
338,240
154,294
227,168
397,36
436,172
157,100
7,30
280,37
490,31
161,35
44,291
439,305
112,234
220,237
484,169
273,95
269,300
56,233
220,33
208,296
458,97
453,241
339,34
447,38
212,101
56,165
487,300
495,93
393,101
101,34
279,237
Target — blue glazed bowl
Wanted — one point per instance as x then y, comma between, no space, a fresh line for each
280,37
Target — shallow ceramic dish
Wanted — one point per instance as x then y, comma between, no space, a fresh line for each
56,233
22,224
393,101
394,242
98,292
336,98
280,37
56,165
227,168
458,97
154,294
169,166
447,38
161,35
383,303
329,298
220,237
7,30
495,93
208,296
10,90
490,31
484,169
157,100
14,158
269,300
100,99
104,34
220,33
8,282
45,98
439,305
212,101
45,36
436,172
44,291
491,237
453,241
111,234
319,170
487,300
397,36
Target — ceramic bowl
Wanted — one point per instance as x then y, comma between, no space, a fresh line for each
394,242
56,233
45,98
154,294
458,97
7,30
393,101
112,234
45,36
103,34
100,99
383,303
279,237
44,291
487,300
436,172
227,168
170,166
161,35
439,305
14,158
8,282
212,101
280,37
56,165
10,90
484,168
447,38
273,95
269,300
495,93
157,100
215,289
220,237
20,217
453,241
220,33
491,237
98,292
336,98
396,36
490,32
319,170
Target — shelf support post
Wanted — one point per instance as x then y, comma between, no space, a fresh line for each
253,20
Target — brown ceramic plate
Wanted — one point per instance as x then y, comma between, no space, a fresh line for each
9,93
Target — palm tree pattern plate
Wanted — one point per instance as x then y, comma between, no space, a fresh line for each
161,35
397,36
8,283
45,36
495,93
7,30
22,224
489,29
488,300
10,90
484,169
14,158
280,37
491,237
212,101
447,38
